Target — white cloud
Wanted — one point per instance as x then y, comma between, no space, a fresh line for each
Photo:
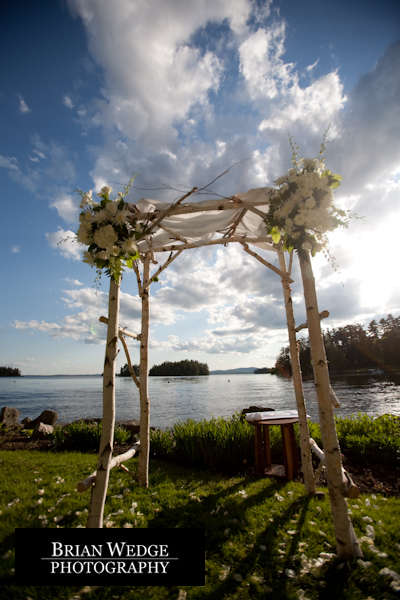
261,63
66,206
9,162
73,281
89,304
68,102
65,242
310,68
23,107
15,249
315,106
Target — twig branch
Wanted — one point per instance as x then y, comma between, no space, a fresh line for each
170,259
290,262
350,489
128,358
121,330
322,315
266,263
236,238
169,210
139,281
87,483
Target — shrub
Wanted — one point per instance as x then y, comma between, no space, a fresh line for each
85,437
227,445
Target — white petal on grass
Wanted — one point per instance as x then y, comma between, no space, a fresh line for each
290,573
367,519
365,564
370,531
224,572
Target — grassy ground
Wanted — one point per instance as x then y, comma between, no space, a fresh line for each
264,538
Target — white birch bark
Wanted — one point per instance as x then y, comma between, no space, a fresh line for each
347,545
99,490
143,469
306,461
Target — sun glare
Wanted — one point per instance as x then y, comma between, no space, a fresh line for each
376,264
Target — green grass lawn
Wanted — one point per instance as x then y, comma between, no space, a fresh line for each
264,538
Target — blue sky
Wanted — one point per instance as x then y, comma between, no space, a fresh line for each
92,92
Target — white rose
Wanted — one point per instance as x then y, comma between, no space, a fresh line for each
122,216
84,234
129,246
299,219
85,217
105,237
309,203
111,209
99,216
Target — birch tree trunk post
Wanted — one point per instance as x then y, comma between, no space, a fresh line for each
99,490
306,460
347,545
143,470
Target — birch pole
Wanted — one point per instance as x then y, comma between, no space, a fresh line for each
99,490
306,461
143,471
347,545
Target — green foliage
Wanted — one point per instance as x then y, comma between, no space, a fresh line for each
85,437
364,438
227,445
9,372
183,367
264,538
124,371
352,347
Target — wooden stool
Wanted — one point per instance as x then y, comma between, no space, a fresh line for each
262,446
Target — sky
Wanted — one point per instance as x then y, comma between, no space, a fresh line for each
175,92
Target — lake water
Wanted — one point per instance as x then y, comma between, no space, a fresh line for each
176,399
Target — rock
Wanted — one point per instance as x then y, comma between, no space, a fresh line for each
27,423
132,426
47,417
42,431
9,416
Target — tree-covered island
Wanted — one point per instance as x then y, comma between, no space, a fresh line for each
183,367
9,372
180,368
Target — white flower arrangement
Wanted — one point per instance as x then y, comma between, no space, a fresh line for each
108,228
301,210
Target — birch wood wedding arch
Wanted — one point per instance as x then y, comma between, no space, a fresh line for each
179,226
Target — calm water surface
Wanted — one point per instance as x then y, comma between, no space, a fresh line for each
176,399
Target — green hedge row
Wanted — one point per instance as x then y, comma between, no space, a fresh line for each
227,445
